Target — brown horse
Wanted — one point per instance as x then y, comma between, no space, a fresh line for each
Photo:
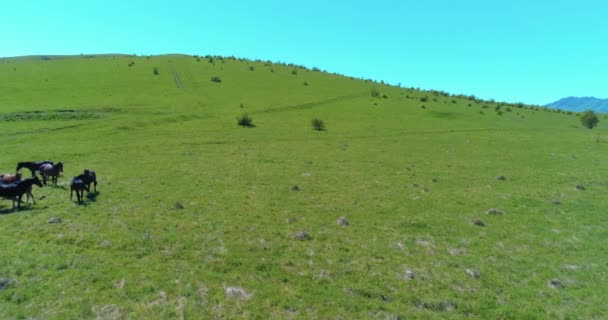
7,178
53,171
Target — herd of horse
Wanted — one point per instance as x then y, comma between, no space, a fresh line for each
13,187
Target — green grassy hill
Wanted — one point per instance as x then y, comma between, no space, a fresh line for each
191,204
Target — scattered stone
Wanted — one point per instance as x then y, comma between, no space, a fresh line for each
556,202
457,252
107,312
342,221
295,188
479,223
424,243
237,293
119,284
555,284
54,220
178,206
494,212
146,235
571,267
4,283
434,180
302,236
444,306
415,185
501,178
473,273
291,220
409,275
580,187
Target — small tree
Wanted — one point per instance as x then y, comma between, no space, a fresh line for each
589,119
155,71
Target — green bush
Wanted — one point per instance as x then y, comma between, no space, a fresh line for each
375,92
245,120
216,79
589,119
155,71
318,124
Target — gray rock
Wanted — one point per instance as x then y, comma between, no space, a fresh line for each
555,284
302,236
4,283
237,293
473,273
54,220
342,221
493,211
457,252
479,223
409,275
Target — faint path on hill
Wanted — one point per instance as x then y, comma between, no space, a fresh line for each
308,105
176,77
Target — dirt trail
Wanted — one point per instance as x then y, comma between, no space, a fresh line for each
176,77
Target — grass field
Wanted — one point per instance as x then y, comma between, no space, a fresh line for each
197,217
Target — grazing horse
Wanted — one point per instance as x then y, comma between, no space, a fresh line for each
79,186
53,171
7,178
88,177
32,165
15,191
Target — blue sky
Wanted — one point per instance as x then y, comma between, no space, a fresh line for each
530,51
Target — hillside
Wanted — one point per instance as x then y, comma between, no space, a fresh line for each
580,104
197,217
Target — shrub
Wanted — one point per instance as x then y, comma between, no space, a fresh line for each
252,68
155,71
294,72
318,124
375,92
384,96
306,83
424,99
216,79
245,120
589,119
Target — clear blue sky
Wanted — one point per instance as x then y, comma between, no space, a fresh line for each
531,51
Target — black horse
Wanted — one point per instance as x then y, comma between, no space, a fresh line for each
33,165
88,177
15,191
79,186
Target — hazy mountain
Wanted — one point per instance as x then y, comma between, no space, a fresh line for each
580,104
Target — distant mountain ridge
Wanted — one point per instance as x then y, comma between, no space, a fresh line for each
580,104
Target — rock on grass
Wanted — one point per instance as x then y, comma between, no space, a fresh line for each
302,236
54,220
479,223
555,284
5,283
473,273
342,221
237,293
494,212
580,187
501,178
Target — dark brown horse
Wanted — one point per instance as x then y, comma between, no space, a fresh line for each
88,177
7,178
32,165
53,171
15,191
79,186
